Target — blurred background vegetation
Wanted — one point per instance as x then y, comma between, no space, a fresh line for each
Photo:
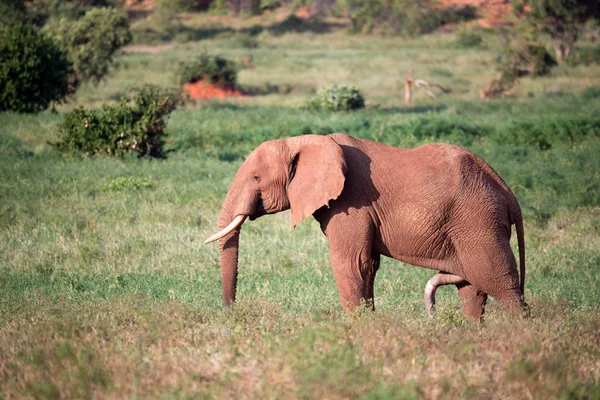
112,174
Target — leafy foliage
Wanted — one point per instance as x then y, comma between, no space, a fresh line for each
34,72
561,19
402,17
92,40
337,98
520,57
41,11
214,69
528,57
119,129
12,10
585,56
177,6
545,133
468,39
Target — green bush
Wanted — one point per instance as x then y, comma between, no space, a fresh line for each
40,11
245,40
34,72
12,10
467,39
547,132
585,56
119,129
91,41
337,98
522,56
177,6
401,17
270,4
213,69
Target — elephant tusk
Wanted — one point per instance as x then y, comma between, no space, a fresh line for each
237,221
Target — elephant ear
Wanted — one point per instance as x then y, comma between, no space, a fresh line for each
317,174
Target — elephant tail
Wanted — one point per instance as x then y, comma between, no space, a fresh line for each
518,221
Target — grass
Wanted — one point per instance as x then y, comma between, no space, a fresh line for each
107,290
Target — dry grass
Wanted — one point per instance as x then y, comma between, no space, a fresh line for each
107,290
135,347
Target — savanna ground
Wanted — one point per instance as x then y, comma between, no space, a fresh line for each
107,290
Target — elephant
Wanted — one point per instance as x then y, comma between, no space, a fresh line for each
436,206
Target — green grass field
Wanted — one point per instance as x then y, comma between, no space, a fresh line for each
107,290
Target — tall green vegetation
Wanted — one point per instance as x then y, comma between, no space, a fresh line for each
561,19
403,17
107,291
34,72
92,40
119,129
12,10
40,11
215,70
336,98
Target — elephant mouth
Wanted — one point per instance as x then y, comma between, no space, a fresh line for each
259,211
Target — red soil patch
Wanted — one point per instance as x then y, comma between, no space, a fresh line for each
201,90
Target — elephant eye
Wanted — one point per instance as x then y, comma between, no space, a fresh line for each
256,178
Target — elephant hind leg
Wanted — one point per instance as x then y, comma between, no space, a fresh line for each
491,270
436,281
473,301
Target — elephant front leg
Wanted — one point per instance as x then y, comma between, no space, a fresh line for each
355,277
369,294
353,263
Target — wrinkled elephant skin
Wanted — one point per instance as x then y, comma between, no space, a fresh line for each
436,206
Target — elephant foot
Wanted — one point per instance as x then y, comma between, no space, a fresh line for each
473,301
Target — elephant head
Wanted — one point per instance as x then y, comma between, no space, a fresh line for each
302,173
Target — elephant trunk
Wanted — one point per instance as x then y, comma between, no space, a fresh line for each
238,204
229,266
228,246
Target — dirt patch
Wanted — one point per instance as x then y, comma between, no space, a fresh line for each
201,90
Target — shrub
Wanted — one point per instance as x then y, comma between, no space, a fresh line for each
119,129
585,56
519,58
213,69
40,11
91,41
468,39
401,17
34,72
245,40
12,10
547,132
337,98
177,6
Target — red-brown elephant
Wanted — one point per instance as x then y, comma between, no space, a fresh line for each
436,206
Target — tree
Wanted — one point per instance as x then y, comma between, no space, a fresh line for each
91,41
34,72
561,19
12,10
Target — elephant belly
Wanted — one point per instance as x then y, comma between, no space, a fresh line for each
422,244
